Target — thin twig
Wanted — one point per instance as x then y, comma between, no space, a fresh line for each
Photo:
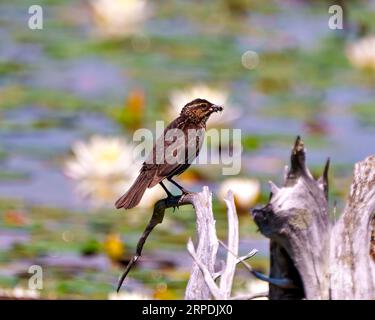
252,253
279,282
227,276
214,289
239,260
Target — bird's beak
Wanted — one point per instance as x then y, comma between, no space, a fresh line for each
216,108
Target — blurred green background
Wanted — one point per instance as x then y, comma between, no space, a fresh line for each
73,93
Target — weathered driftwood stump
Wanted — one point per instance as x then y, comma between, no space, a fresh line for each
202,279
321,259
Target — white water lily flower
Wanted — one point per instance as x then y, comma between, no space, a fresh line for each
128,296
361,54
253,287
245,191
101,157
104,169
116,18
19,293
179,98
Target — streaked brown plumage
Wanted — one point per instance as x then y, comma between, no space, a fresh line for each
194,115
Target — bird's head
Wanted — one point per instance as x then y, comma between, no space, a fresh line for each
199,110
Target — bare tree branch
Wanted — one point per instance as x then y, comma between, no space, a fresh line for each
206,250
157,217
226,280
215,291
280,282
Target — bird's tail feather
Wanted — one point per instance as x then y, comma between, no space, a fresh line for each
134,195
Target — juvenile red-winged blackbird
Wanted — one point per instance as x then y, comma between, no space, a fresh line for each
172,157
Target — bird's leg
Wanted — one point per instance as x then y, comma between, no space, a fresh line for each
184,191
170,195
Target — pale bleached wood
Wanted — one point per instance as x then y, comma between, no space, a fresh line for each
226,280
296,221
352,267
321,260
206,274
197,288
201,285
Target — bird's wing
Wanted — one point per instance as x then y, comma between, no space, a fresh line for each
173,151
181,152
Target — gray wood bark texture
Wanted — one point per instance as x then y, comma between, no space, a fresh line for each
322,259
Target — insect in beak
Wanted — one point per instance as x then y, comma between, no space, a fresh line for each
216,108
